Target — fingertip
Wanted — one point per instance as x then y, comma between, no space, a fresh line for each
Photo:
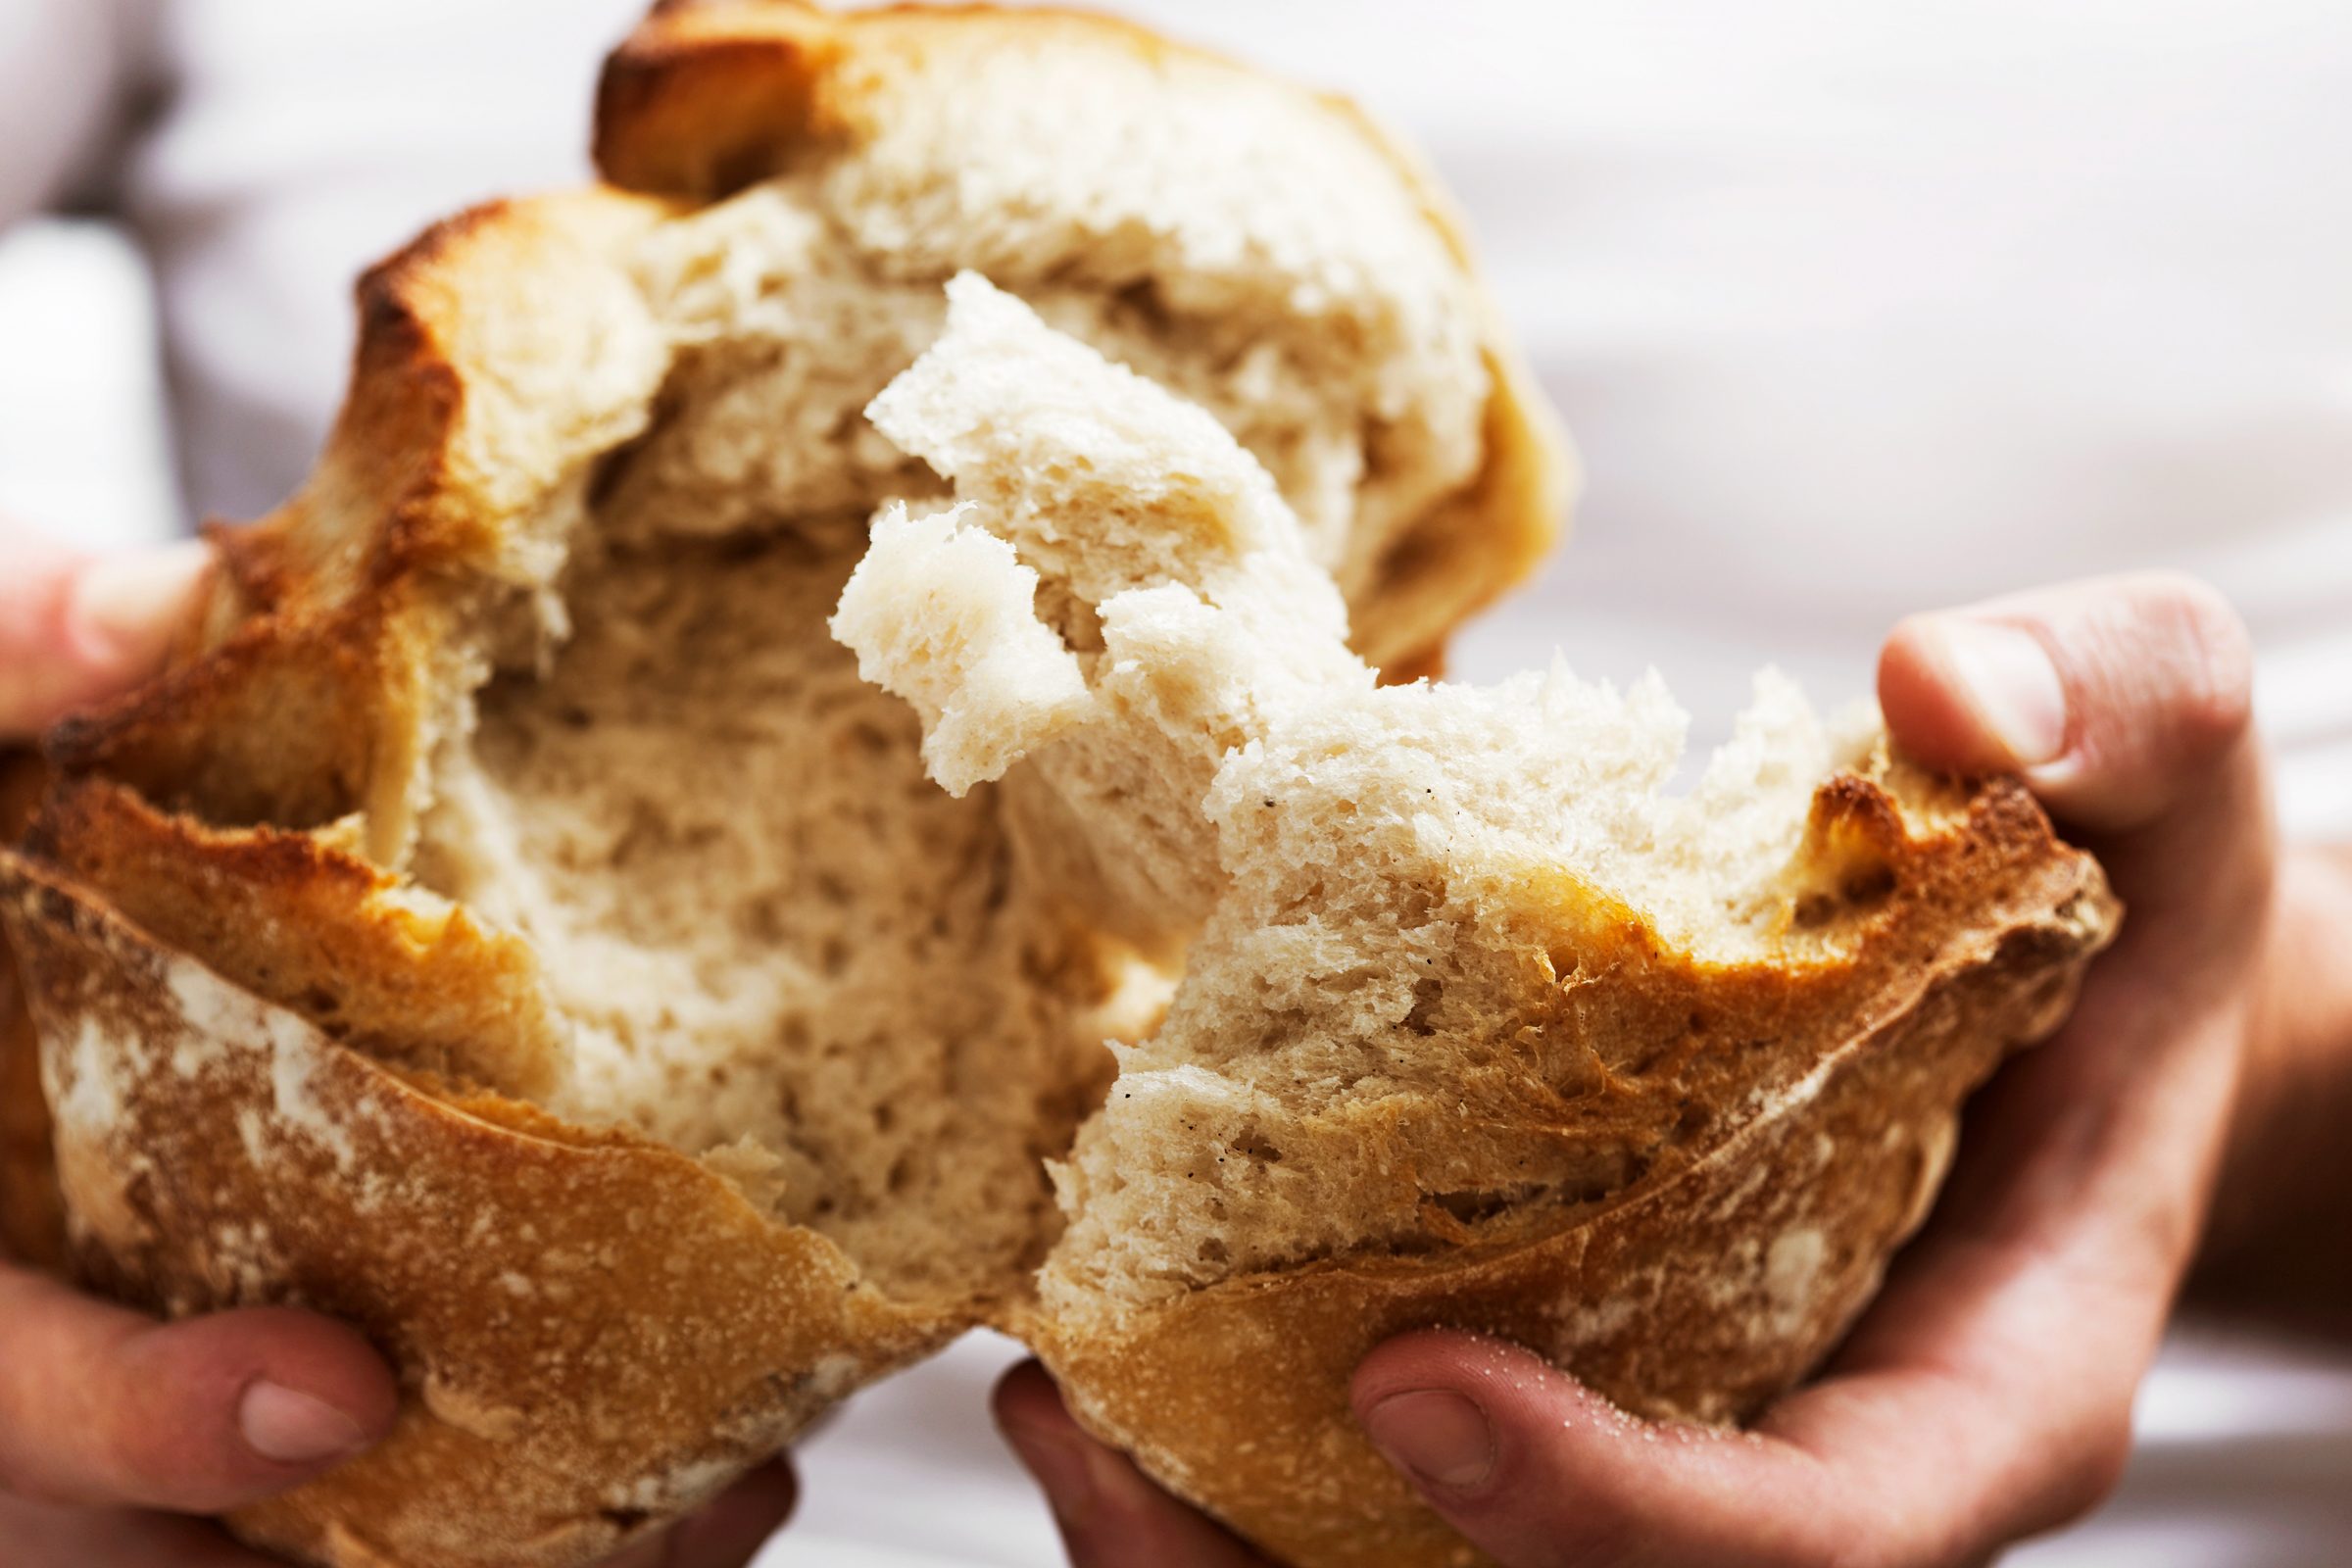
1048,1441
1457,1413
76,628
1923,711
316,1356
1111,1514
225,1409
1027,1396
1533,1466
100,1406
122,610
2115,698
1973,692
293,1427
729,1531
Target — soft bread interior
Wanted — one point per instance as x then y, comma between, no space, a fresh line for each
1376,1044
775,945
769,938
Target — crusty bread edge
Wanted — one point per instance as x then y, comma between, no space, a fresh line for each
1696,1294
703,99
32,1215
217,1150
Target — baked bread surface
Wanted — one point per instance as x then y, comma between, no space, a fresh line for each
1477,1024
515,925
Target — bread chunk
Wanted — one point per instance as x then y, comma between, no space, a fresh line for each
941,615
1476,1023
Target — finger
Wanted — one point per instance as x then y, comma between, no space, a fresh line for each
1538,1470
50,1535
76,628
729,1531
2112,696
1995,1372
2126,703
1110,1513
101,1405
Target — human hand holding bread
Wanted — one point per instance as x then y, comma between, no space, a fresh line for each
1986,1395
512,924
118,1431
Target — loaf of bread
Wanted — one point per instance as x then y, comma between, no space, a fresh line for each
623,892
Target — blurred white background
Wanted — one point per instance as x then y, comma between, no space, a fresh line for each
83,452
1853,307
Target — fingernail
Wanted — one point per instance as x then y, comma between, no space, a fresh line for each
1436,1436
1063,1468
289,1426
2012,685
130,605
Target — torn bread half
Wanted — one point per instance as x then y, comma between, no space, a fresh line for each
510,924
1477,1026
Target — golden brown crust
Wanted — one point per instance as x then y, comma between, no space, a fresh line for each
32,1214
415,983
500,353
701,101
709,96
1710,1284
565,1308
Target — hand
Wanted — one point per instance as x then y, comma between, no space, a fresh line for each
115,1429
1986,1395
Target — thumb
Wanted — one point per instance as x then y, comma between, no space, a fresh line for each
2113,696
76,629
101,1406
2126,704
